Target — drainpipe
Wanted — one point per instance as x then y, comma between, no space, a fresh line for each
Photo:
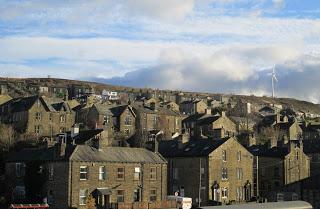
199,200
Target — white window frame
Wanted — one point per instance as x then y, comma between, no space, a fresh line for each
102,173
239,156
121,173
153,173
224,171
224,155
120,195
224,193
83,195
20,169
38,116
153,196
84,172
137,174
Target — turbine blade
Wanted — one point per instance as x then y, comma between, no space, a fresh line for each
275,78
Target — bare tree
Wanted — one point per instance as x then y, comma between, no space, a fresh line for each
91,202
7,136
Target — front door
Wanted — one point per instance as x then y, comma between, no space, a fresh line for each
106,201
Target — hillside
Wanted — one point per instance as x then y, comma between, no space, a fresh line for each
23,87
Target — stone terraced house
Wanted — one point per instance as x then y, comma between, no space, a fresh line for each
37,116
220,170
65,175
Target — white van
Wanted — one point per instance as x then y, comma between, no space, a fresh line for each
182,202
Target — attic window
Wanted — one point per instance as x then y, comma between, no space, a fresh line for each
206,148
193,145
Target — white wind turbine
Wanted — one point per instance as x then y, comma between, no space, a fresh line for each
273,79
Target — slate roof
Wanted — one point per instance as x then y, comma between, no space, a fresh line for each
208,119
61,106
103,108
190,101
118,110
193,148
283,126
158,110
86,135
73,103
23,104
311,146
193,117
264,151
31,154
86,153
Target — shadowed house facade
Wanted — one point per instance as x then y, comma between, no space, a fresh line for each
151,118
279,166
224,167
117,119
208,125
190,107
37,116
70,173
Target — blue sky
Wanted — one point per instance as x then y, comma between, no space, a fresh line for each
205,45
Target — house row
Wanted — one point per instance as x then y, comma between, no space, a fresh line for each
211,171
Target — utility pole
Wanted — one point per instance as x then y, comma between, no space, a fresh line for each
199,198
257,173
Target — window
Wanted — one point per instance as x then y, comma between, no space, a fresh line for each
120,174
224,155
263,171
127,131
127,120
224,192
175,173
83,194
102,173
62,130
120,195
136,175
50,116
136,195
280,197
153,195
155,121
240,193
62,118
297,155
239,173
276,172
38,116
50,197
20,169
83,172
153,173
37,129
224,173
50,172
239,155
